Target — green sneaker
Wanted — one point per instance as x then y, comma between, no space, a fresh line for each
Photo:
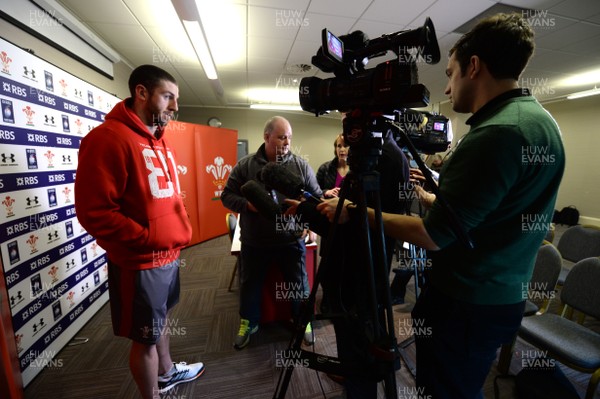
243,338
309,336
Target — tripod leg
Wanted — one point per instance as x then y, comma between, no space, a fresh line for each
418,262
308,312
369,182
381,334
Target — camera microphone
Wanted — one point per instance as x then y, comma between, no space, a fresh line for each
257,196
281,179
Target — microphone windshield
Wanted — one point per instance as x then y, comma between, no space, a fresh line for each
261,200
281,179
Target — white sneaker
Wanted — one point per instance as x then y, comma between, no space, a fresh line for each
183,373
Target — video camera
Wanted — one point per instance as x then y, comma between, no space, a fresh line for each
391,88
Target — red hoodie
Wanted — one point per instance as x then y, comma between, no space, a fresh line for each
127,192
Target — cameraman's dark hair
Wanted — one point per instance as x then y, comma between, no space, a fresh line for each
148,76
503,41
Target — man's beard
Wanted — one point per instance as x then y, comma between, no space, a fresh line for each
160,120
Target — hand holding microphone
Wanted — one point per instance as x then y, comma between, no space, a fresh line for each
277,177
260,199
281,179
292,186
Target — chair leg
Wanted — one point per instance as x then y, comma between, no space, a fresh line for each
505,357
235,267
592,385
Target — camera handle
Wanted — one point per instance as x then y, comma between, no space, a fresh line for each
362,183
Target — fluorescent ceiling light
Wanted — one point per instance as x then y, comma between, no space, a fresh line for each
284,99
585,93
276,107
224,26
580,79
274,95
190,18
194,31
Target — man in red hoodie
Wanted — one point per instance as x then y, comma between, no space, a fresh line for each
127,196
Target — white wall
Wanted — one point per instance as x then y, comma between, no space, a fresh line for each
579,121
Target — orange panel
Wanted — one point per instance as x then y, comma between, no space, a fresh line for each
216,155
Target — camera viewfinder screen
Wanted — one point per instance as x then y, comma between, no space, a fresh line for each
438,126
335,47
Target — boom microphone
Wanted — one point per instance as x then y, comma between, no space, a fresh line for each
258,197
281,179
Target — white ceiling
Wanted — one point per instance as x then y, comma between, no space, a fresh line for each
268,36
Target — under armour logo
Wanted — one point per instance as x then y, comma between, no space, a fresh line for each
66,158
49,119
31,201
41,325
52,235
14,300
9,157
26,72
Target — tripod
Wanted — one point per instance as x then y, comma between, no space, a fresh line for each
375,314
364,134
418,257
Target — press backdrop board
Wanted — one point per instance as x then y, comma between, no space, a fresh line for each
54,272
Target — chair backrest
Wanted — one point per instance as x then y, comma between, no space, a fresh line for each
548,265
231,221
579,242
581,291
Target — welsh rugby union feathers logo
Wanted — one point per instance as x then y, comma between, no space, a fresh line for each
5,60
220,171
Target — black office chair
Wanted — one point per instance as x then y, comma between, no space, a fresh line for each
567,341
231,221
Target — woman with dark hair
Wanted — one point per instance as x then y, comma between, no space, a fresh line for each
331,174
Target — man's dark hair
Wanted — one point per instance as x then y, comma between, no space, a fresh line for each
148,76
504,42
